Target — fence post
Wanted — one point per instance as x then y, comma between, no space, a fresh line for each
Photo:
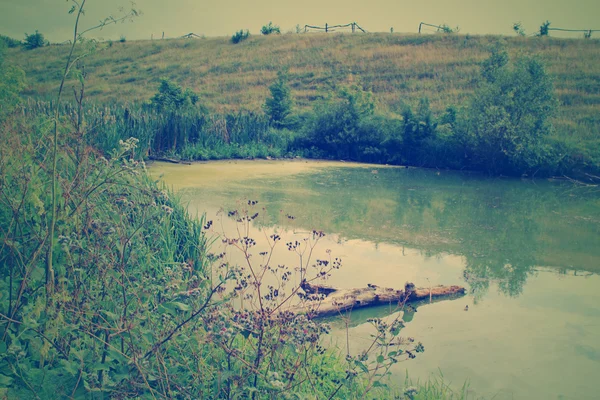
353,26
326,30
163,36
420,27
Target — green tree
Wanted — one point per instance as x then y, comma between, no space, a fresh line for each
278,107
510,113
346,127
172,97
418,128
491,66
34,41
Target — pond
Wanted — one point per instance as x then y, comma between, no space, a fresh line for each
528,252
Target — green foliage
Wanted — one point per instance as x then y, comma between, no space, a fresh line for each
137,233
240,36
347,127
544,29
269,29
491,66
518,29
434,389
445,28
278,107
10,42
12,82
190,133
122,39
171,97
34,41
509,115
138,310
417,130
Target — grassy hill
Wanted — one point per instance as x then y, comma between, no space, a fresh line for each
395,67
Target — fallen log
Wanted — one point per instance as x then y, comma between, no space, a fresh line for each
323,301
169,160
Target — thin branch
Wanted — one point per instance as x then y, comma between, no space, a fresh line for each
182,324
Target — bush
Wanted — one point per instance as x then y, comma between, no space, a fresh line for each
346,128
269,29
509,116
12,81
278,107
240,36
544,29
171,97
518,28
10,42
418,128
445,28
34,41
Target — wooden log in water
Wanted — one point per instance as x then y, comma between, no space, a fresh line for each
323,301
169,160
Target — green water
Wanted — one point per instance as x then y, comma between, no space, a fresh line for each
527,251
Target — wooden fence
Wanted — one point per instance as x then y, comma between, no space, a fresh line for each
332,28
439,28
587,33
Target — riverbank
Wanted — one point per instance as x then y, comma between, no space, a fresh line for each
402,70
135,303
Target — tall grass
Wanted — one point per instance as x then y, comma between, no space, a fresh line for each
190,135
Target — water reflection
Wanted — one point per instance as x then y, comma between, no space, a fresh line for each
528,252
502,227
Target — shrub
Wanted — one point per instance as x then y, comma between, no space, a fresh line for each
518,28
544,29
419,127
12,81
34,41
509,116
493,64
171,97
342,128
270,28
122,39
240,36
278,107
445,28
10,42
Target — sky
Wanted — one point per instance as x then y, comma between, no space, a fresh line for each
224,17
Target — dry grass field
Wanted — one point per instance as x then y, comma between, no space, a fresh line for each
397,68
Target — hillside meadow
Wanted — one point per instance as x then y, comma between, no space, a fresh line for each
396,68
112,289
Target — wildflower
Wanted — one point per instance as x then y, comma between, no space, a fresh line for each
411,392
